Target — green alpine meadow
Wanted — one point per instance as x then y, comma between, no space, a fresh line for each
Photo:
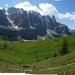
20,56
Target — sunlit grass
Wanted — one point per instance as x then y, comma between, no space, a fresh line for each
19,53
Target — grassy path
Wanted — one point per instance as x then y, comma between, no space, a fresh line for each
25,70
17,69
22,70
56,67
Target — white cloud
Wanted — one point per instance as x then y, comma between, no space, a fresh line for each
46,9
7,5
70,16
26,6
1,8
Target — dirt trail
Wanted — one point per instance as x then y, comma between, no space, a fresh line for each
56,67
20,69
42,69
24,70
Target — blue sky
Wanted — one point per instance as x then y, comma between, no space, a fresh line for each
64,10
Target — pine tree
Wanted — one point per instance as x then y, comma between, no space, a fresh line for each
55,55
64,46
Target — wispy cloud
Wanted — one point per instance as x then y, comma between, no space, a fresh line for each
46,9
7,5
67,15
57,0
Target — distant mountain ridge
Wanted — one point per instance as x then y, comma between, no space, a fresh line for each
72,31
29,25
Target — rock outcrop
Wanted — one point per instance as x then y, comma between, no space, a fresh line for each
28,25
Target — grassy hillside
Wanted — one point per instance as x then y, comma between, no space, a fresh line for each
61,65
19,53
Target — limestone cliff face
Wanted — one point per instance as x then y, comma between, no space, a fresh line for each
3,19
29,25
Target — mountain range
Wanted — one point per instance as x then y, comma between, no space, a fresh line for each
30,25
72,31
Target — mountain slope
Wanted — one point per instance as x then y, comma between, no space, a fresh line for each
29,25
72,31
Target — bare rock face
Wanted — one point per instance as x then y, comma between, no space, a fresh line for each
62,29
54,19
29,25
3,19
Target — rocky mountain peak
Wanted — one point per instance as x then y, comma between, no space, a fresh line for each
13,10
53,19
29,25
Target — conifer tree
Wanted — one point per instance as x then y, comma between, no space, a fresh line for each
64,46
